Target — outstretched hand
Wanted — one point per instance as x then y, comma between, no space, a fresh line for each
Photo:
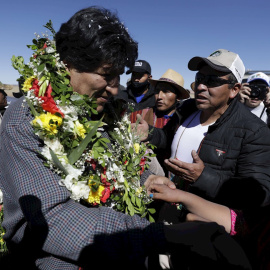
141,127
165,193
187,171
159,180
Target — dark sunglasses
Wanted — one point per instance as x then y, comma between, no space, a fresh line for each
210,80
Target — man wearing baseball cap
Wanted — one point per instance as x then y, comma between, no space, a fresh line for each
211,135
139,91
219,150
256,96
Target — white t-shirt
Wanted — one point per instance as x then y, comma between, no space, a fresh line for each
188,137
258,111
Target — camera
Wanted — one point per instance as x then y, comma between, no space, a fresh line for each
258,91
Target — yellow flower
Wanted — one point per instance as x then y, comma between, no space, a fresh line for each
28,83
136,147
79,129
139,191
48,122
94,196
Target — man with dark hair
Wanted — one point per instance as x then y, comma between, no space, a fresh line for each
3,101
139,91
45,228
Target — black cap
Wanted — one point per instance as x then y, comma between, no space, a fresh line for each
140,66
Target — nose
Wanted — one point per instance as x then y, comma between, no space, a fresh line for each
159,95
200,87
113,85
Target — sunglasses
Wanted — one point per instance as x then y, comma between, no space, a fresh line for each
210,80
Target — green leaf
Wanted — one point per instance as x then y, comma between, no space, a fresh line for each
151,219
33,110
131,208
138,202
41,67
152,210
77,152
57,162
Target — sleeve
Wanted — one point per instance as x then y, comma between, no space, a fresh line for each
39,211
252,175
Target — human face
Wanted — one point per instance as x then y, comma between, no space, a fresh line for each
3,101
214,100
254,102
100,84
165,96
140,77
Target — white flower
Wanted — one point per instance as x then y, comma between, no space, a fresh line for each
79,191
1,196
50,50
70,112
55,146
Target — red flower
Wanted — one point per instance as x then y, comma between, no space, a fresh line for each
142,163
105,194
45,46
93,164
48,104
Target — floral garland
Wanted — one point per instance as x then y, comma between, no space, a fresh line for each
95,169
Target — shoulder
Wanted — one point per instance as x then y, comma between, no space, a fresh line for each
17,116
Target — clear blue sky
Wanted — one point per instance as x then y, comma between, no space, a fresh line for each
169,32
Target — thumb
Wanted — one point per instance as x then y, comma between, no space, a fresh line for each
140,119
195,156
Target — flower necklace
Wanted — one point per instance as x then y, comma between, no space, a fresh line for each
96,170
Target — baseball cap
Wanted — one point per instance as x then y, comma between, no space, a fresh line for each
259,76
221,60
140,66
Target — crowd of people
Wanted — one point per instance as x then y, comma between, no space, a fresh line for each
213,199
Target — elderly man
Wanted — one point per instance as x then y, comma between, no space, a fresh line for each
219,150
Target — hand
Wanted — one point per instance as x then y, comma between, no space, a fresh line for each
187,171
141,127
165,193
244,92
156,179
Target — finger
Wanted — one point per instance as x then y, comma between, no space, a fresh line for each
195,156
139,119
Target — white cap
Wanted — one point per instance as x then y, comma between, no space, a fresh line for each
259,76
221,60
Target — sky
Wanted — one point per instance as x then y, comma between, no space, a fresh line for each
169,33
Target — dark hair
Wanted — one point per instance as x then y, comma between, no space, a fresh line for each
95,36
233,80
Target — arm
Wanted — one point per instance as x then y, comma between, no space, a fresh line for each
198,206
36,205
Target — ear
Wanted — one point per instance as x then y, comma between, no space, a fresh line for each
235,90
67,65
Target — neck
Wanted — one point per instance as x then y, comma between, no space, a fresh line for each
209,117
166,112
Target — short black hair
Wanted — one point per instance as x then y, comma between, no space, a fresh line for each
233,80
95,36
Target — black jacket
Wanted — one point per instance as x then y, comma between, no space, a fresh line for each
235,152
148,100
